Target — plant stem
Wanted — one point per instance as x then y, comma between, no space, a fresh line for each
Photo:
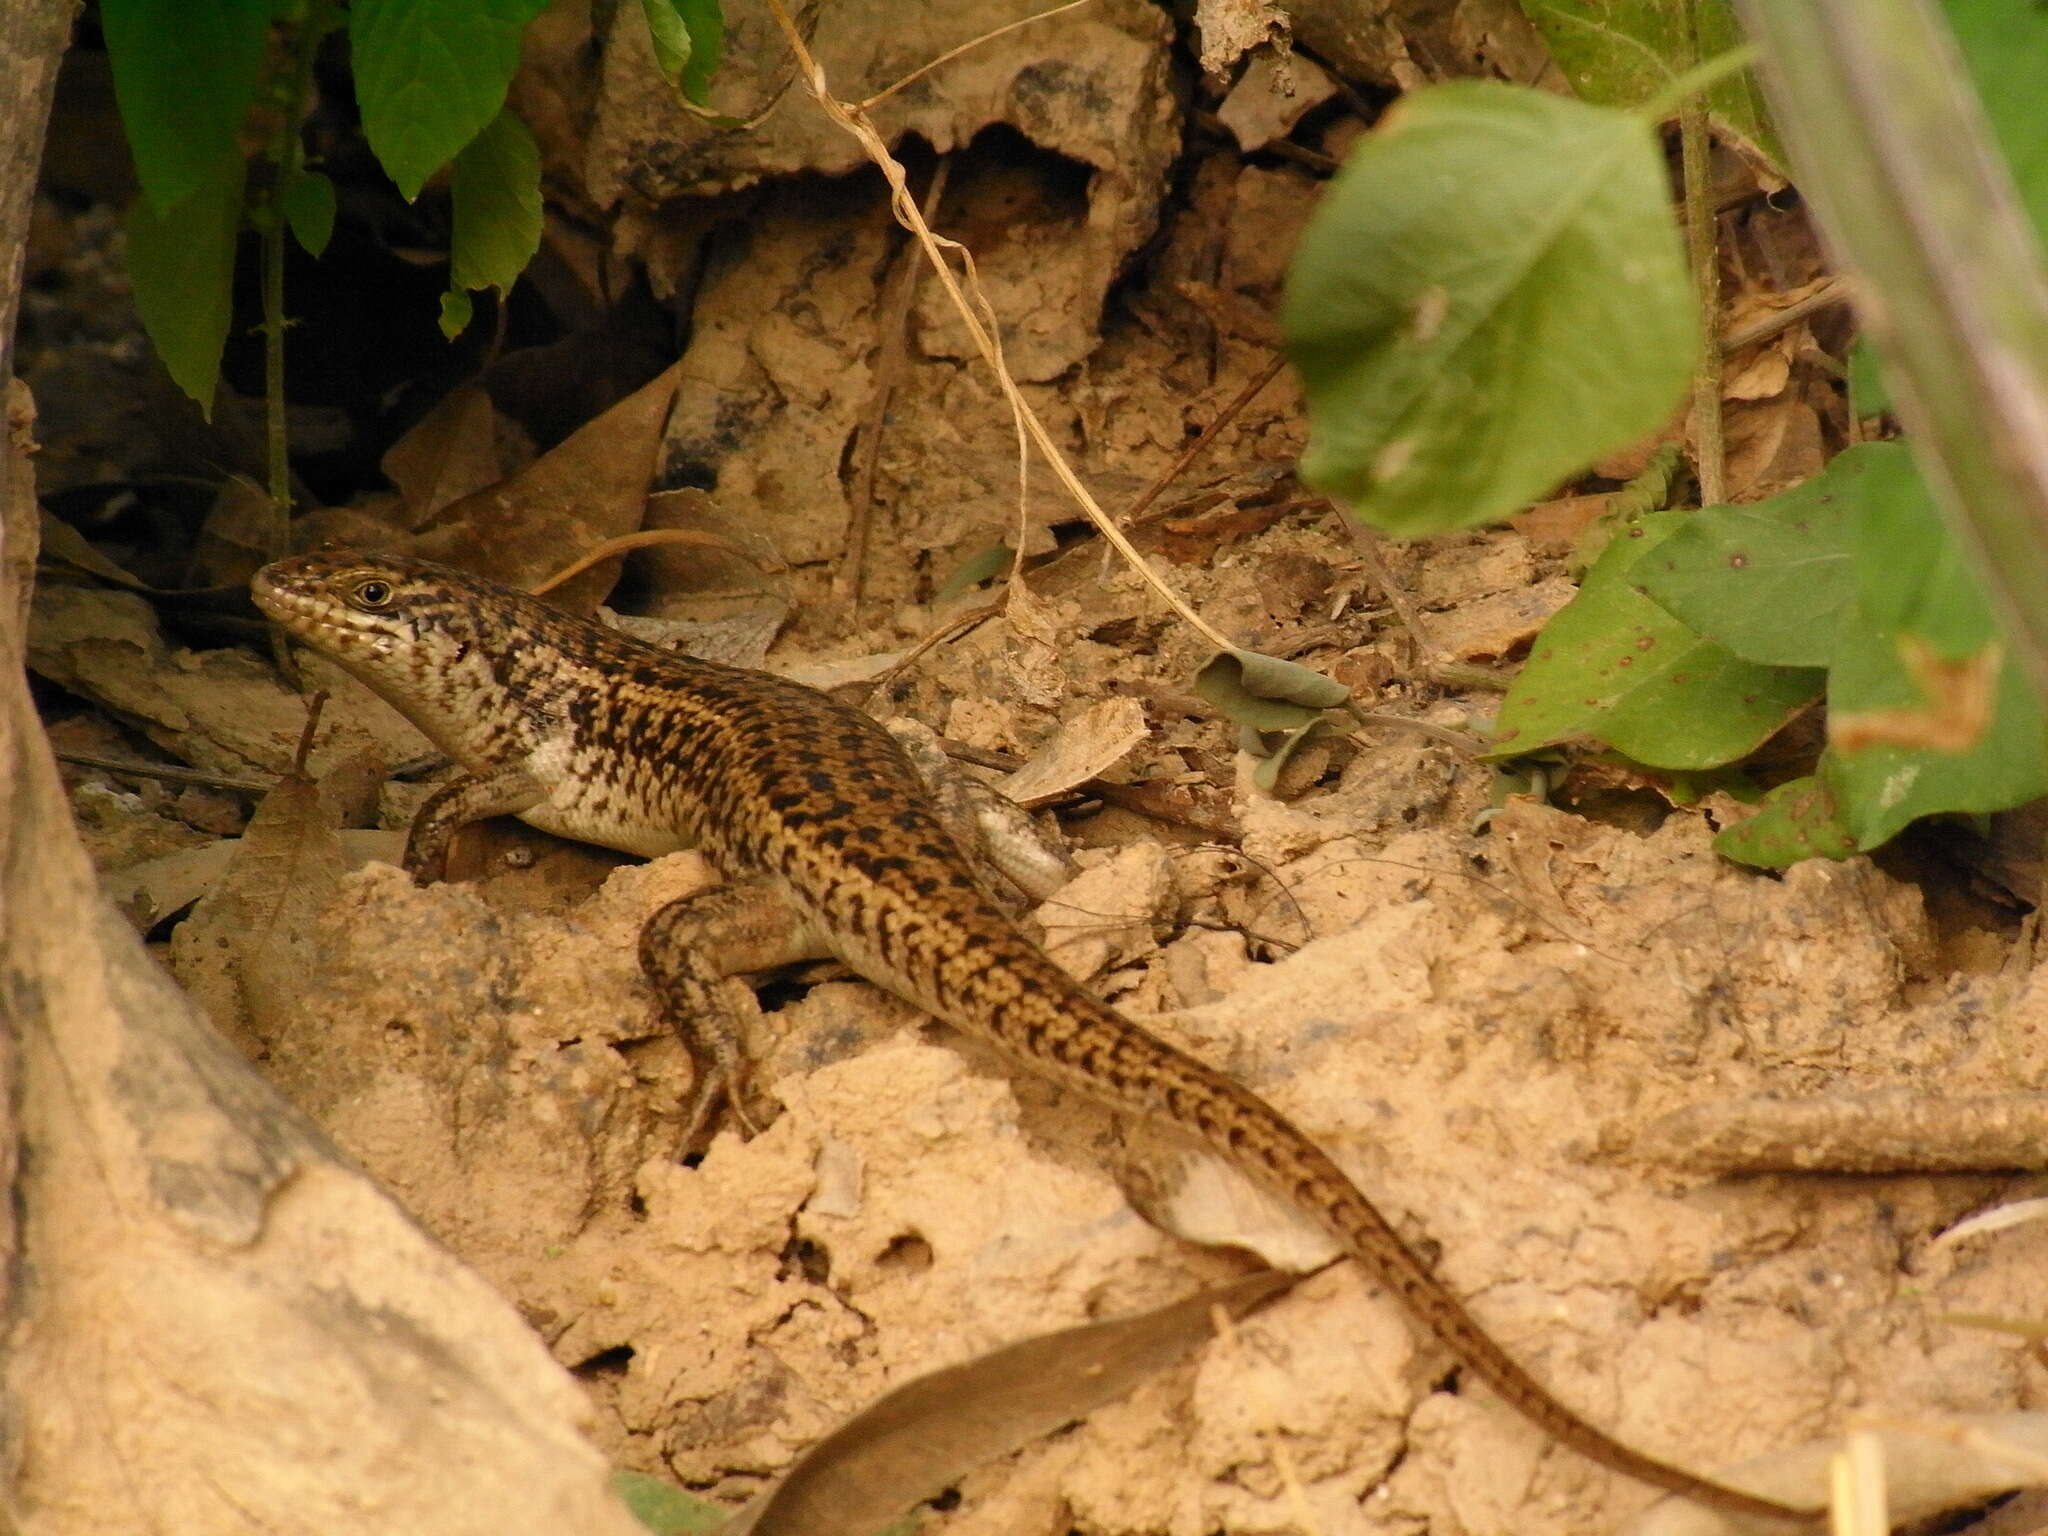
286,154
1696,170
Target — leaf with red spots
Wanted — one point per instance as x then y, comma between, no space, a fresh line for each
1796,821
1771,581
1612,666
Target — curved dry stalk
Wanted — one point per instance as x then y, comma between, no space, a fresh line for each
854,120
953,53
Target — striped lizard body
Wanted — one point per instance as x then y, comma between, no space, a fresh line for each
814,812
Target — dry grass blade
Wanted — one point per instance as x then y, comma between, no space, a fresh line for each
854,120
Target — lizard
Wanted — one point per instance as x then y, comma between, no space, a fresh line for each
831,849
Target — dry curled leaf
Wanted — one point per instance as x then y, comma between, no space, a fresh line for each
923,1436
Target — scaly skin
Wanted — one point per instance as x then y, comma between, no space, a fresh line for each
615,742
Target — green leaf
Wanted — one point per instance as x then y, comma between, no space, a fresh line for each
184,75
974,570
1621,53
1274,749
2005,45
182,266
1616,667
1772,580
1868,395
1912,577
689,38
496,196
664,1508
431,74
1489,297
457,310
1879,789
1264,693
309,209
1798,821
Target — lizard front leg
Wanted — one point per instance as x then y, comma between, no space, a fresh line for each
692,950
505,792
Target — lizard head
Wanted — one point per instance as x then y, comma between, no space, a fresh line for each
378,615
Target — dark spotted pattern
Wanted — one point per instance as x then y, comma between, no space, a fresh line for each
641,749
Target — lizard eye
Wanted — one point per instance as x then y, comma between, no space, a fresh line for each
373,593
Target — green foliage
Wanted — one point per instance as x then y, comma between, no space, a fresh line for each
2005,46
1490,295
182,265
1277,705
431,75
1769,581
184,77
495,192
664,1508
1856,571
431,78
1612,666
689,40
983,565
308,201
1624,53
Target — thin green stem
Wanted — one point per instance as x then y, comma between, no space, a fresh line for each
1694,164
286,153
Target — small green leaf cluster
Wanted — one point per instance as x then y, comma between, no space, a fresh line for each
1698,633
194,82
1492,296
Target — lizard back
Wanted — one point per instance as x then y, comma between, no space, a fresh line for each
646,750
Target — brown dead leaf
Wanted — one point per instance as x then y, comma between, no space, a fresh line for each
162,887
914,1442
1554,527
1901,1130
242,533
1925,1473
1192,535
458,448
1496,626
246,952
1083,748
62,542
1772,445
740,639
590,488
225,710
1760,372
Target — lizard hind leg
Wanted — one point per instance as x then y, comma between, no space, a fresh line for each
692,951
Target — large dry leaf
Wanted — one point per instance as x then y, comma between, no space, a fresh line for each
1950,1463
455,450
150,891
914,1442
591,487
247,951
1083,748
223,710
